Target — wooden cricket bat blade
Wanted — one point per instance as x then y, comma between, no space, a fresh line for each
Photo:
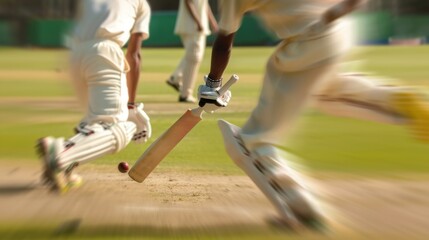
159,149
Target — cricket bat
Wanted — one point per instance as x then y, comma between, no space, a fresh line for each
159,149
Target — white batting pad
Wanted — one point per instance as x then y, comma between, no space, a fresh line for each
96,140
271,177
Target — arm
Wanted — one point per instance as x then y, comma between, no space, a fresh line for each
212,19
133,58
135,111
335,12
191,9
208,93
341,9
221,53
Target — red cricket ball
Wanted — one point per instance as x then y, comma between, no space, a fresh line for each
123,167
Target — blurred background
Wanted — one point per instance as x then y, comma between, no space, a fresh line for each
44,23
375,175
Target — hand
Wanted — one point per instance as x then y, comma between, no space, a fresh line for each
199,27
142,121
215,29
210,99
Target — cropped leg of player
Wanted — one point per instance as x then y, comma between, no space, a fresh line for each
91,142
283,96
175,80
185,75
414,106
195,45
366,97
282,185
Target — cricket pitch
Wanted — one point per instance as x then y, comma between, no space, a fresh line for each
389,207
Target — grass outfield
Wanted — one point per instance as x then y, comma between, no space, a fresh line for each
36,100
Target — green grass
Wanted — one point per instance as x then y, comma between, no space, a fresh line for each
34,88
31,78
325,143
32,59
402,62
348,145
48,231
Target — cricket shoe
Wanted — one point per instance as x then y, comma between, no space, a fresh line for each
414,105
58,180
174,84
273,178
188,99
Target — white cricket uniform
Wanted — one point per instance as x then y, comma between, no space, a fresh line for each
294,69
97,60
99,69
185,24
194,43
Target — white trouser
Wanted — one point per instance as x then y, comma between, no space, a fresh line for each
282,99
359,96
99,76
187,70
293,71
98,70
298,71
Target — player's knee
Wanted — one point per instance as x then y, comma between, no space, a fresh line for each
123,133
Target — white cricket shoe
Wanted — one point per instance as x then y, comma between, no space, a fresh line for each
413,105
173,83
59,180
188,99
273,178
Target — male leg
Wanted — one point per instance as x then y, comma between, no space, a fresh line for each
370,98
283,97
92,141
271,174
194,45
100,74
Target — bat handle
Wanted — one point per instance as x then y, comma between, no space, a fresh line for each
234,78
197,112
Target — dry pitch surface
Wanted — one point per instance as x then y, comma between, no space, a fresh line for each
358,207
394,207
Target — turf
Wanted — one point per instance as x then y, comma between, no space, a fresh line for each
324,142
36,100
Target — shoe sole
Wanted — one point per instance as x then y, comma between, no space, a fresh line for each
270,188
187,101
174,86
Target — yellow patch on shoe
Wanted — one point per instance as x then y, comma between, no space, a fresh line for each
413,105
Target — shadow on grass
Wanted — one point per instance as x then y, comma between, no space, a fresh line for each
6,190
73,229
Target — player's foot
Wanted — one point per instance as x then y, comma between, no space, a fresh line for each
286,184
49,149
175,85
272,177
188,99
74,180
414,106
